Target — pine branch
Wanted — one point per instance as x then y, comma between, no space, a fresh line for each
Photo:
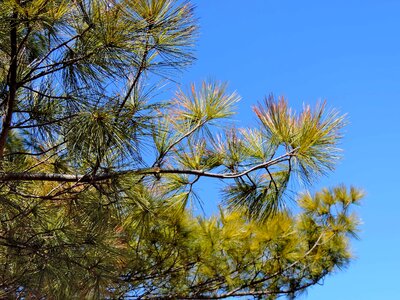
17,176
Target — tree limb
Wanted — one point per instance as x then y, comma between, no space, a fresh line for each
20,176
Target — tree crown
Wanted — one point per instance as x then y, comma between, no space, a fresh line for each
96,174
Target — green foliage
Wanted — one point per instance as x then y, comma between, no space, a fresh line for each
97,176
175,254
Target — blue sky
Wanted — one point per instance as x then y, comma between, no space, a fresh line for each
347,52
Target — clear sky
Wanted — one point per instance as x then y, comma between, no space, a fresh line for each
347,52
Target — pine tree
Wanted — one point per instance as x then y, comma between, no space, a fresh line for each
97,174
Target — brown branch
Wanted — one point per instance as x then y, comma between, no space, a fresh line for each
180,139
34,68
141,68
63,64
45,95
20,126
19,176
37,153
